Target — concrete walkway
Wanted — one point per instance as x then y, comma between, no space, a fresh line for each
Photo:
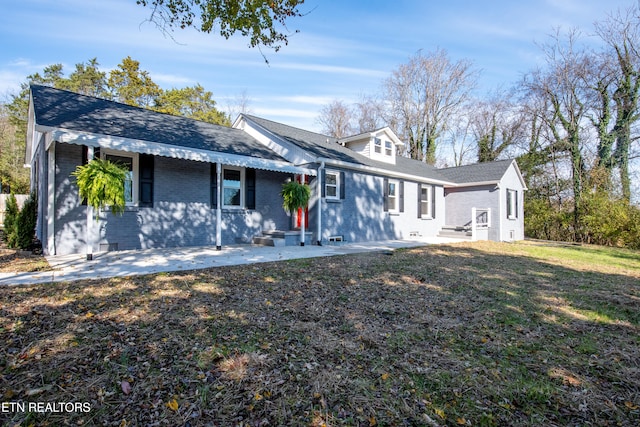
130,263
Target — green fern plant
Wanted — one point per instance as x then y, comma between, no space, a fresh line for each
101,183
295,196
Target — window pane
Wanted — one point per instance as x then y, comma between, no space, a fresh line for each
331,179
392,189
121,160
231,196
128,187
331,191
231,178
424,208
127,162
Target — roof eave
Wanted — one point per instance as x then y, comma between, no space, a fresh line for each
166,150
381,171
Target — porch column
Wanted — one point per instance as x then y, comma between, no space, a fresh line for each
219,206
319,203
89,237
302,215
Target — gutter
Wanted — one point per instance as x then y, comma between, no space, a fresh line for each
385,172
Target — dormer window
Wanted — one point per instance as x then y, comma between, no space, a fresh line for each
377,145
383,148
388,148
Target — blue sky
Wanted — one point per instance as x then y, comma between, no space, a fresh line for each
344,48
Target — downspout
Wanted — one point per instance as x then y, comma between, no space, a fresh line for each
500,212
51,200
89,237
319,204
218,206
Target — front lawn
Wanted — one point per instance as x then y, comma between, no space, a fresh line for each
475,334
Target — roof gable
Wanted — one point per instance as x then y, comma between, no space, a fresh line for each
328,149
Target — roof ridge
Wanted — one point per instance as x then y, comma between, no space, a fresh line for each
251,116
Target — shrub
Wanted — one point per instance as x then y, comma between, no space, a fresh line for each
25,224
10,216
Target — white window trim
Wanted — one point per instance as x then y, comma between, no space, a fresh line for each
395,198
512,203
135,170
388,148
429,200
337,185
242,187
377,146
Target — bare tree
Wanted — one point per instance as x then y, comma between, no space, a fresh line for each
562,89
335,119
617,84
241,104
423,95
368,114
496,124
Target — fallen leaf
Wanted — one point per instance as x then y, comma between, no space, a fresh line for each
461,421
372,421
384,376
126,387
630,405
440,413
173,405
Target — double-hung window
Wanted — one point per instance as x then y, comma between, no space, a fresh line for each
232,194
393,194
426,201
388,148
377,145
512,204
332,185
130,162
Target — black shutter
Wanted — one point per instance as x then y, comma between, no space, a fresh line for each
342,186
401,191
85,155
385,193
96,153
145,164
516,197
250,185
433,201
214,186
322,182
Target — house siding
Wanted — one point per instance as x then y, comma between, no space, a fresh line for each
512,229
181,214
460,201
360,216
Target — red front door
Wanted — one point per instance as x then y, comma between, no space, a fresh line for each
298,219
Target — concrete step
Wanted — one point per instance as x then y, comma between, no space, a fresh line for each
457,232
269,241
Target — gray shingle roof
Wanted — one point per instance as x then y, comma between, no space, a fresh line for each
479,172
327,147
71,111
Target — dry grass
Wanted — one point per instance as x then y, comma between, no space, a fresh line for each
468,334
12,261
